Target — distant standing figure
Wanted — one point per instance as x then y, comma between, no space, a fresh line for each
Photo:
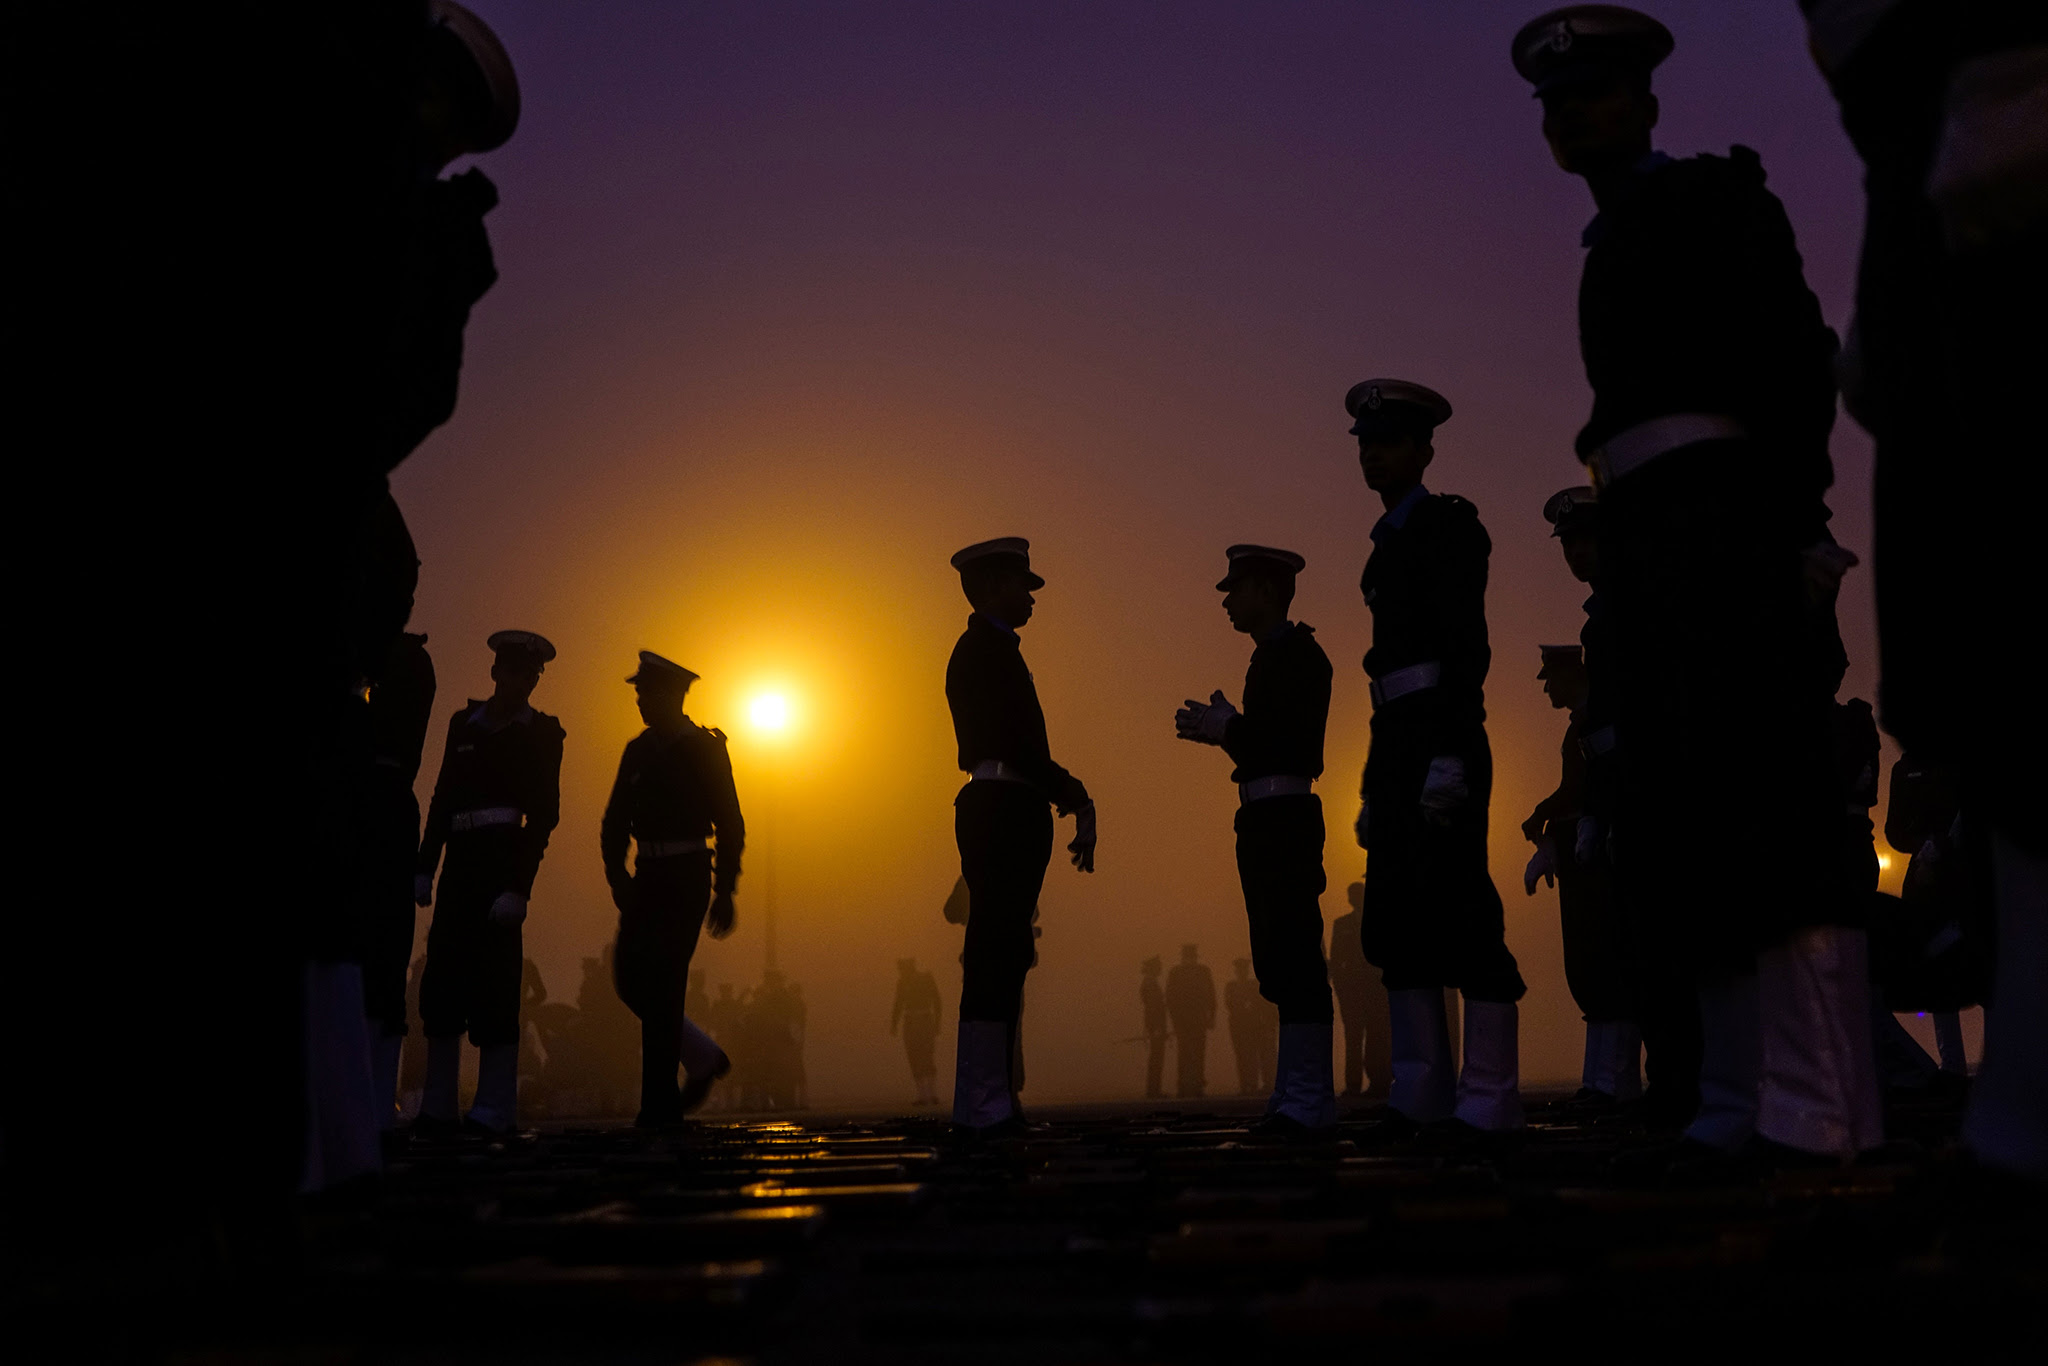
916,1014
1361,1003
496,801
674,799
1246,1011
1001,824
1191,1004
1152,1001
1276,745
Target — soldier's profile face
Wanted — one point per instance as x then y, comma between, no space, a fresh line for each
1393,462
1599,125
1006,597
658,704
516,677
1581,555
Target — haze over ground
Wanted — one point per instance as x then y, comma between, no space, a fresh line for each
798,299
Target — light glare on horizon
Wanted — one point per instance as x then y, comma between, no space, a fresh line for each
770,713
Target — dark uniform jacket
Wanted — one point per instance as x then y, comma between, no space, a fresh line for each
518,765
917,1002
1286,707
995,709
401,707
1593,724
1557,816
1191,996
1694,301
675,789
1426,587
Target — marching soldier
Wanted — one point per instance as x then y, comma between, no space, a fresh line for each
1596,960
1713,396
496,801
1191,1005
1277,744
916,1013
1432,917
1152,1001
674,800
1001,824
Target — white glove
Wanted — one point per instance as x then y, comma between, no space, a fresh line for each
1444,790
1204,722
1586,840
1542,866
422,889
508,909
1362,827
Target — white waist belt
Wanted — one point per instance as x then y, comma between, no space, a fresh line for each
996,771
1599,742
1639,445
650,849
483,818
1278,785
1401,682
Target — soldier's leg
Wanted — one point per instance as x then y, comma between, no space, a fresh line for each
1280,867
388,934
1351,1011
1004,831
1187,1061
1399,932
1155,1066
444,996
1485,972
494,1020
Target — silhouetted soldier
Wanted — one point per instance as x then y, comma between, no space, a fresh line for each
1277,744
1152,1002
1432,918
1245,1009
1191,1005
673,798
1597,964
1001,823
496,801
915,1012
1713,396
1942,101
1361,1002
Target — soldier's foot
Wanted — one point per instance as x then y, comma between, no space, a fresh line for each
1279,1128
698,1084
1395,1130
433,1129
476,1128
1456,1136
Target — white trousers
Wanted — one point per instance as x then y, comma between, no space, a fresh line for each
1819,1089
981,1075
1419,1041
1303,1087
1489,1084
1613,1065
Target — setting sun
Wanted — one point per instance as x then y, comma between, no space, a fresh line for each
769,712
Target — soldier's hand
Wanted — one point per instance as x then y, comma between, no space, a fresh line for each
1586,840
1083,846
508,909
624,897
1542,866
722,916
1362,827
422,889
1444,790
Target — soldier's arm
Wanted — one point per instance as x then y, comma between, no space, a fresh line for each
728,827
544,812
435,836
1457,589
615,829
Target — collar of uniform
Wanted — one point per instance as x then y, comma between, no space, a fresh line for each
1397,515
1277,632
519,718
664,741
1000,627
1596,229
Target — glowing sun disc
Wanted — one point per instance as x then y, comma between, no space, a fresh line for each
769,711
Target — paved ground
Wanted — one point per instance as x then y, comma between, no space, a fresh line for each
1116,1234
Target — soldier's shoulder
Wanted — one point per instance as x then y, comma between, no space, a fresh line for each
1698,181
464,712
549,724
1450,512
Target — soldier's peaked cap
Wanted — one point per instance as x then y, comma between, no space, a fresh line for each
1004,552
656,672
522,642
1585,42
1555,656
495,122
1385,405
1571,510
1259,561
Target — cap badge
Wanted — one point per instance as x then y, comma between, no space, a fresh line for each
1373,399
1561,40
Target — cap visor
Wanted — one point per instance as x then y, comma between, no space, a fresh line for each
1032,580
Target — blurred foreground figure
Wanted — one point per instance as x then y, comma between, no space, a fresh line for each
1361,1002
1432,917
1947,104
1152,1006
1191,1005
1713,396
1596,943
1254,1030
1001,824
496,801
672,799
915,1012
1277,744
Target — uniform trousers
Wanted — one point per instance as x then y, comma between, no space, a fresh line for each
1368,1063
1155,1064
920,1038
1190,1056
1598,958
473,969
1432,916
1280,866
389,852
651,967
1004,831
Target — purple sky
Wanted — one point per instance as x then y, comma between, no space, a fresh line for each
797,299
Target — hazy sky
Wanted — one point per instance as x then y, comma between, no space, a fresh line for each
798,299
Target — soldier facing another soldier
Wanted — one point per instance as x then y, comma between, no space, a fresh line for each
1277,744
1001,824
496,801
1713,396
673,798
1432,917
